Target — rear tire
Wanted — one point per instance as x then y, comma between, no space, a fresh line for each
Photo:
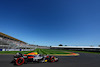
20,61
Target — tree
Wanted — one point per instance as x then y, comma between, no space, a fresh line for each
91,45
60,45
98,45
65,45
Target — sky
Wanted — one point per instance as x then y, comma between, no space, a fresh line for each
52,22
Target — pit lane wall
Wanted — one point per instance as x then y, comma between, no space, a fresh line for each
16,49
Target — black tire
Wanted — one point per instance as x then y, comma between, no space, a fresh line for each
20,61
52,59
57,60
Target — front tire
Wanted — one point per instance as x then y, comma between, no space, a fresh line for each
52,59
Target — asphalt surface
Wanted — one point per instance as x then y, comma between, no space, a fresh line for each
84,60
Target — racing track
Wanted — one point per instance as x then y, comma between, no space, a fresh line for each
84,60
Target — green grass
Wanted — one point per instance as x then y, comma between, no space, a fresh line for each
46,51
39,51
14,52
56,51
50,51
82,51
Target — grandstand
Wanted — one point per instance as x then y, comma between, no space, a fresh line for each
8,42
77,48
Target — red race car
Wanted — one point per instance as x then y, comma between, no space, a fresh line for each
20,59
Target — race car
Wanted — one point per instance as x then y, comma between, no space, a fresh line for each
19,59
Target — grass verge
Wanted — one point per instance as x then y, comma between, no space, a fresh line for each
82,51
14,52
55,52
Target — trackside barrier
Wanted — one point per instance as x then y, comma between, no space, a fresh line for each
0,49
12,49
16,49
27,49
